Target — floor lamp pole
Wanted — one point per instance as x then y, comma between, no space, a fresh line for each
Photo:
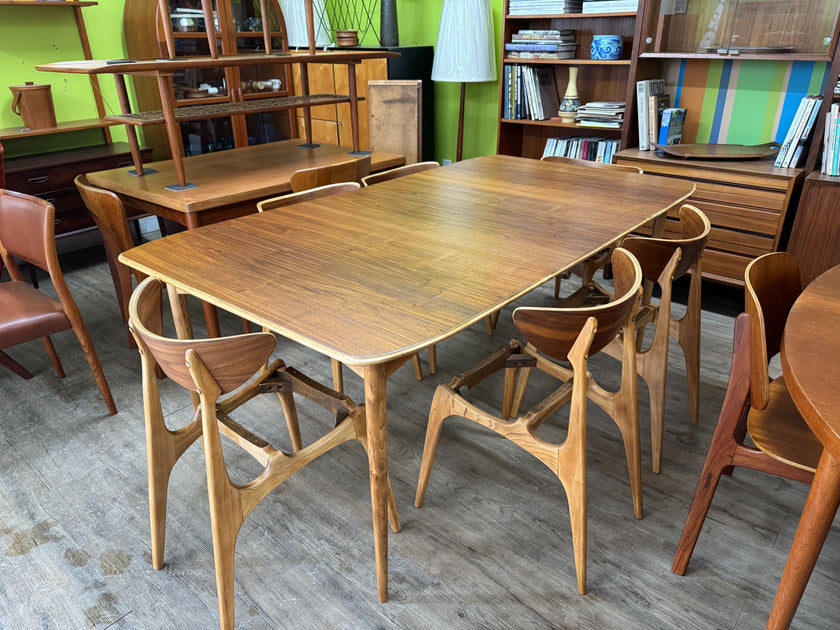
460,148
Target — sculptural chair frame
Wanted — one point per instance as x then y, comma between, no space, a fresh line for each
400,171
663,261
27,233
556,334
755,406
208,368
316,176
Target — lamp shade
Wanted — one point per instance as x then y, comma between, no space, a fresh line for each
294,13
464,51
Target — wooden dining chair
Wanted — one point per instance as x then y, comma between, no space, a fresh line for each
306,195
316,176
663,261
755,407
400,171
108,212
27,232
210,368
586,269
556,334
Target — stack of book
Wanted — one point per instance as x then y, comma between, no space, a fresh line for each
542,44
530,92
610,6
651,100
798,133
544,7
831,144
582,148
608,114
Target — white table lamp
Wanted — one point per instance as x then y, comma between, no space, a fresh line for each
464,52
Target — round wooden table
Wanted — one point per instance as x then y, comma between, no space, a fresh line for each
811,367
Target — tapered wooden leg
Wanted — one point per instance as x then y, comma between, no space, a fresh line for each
817,516
433,359
441,409
287,401
338,376
14,366
53,356
418,368
93,361
377,434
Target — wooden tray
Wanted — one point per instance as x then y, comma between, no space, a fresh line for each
721,151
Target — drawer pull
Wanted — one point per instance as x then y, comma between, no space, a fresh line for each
50,200
38,180
123,164
56,221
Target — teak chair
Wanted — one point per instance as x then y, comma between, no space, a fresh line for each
210,368
663,261
316,176
109,214
27,232
754,405
400,171
586,269
565,335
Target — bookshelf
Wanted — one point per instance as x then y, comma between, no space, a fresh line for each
598,80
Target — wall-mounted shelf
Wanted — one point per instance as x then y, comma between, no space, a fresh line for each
10,133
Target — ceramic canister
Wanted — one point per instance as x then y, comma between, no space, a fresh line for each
605,47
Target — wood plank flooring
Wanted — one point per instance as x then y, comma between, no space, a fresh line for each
491,547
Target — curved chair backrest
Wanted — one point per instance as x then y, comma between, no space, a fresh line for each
350,171
306,195
109,214
772,286
27,229
400,171
654,253
553,331
575,162
230,360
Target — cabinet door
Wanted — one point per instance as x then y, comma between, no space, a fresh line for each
771,27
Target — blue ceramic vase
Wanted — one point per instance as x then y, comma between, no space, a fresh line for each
605,47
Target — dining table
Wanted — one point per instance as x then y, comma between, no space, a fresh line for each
373,276
224,184
811,369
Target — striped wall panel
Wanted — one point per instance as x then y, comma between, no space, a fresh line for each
741,102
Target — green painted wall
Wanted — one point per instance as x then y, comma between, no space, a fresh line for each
35,35
418,23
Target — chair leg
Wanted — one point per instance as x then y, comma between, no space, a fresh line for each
418,368
14,366
95,367
224,545
287,402
53,355
338,376
557,281
441,409
433,359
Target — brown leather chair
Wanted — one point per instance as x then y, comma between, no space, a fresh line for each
400,171
27,232
314,177
109,214
209,368
754,405
556,334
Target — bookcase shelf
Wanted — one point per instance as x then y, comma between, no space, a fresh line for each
598,80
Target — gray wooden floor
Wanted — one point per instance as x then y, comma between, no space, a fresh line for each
490,549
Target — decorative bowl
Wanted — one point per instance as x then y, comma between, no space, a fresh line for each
606,47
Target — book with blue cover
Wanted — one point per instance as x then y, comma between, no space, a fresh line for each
670,130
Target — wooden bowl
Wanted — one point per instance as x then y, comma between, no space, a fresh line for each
347,38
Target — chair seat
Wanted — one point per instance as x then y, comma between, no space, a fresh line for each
28,314
780,431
